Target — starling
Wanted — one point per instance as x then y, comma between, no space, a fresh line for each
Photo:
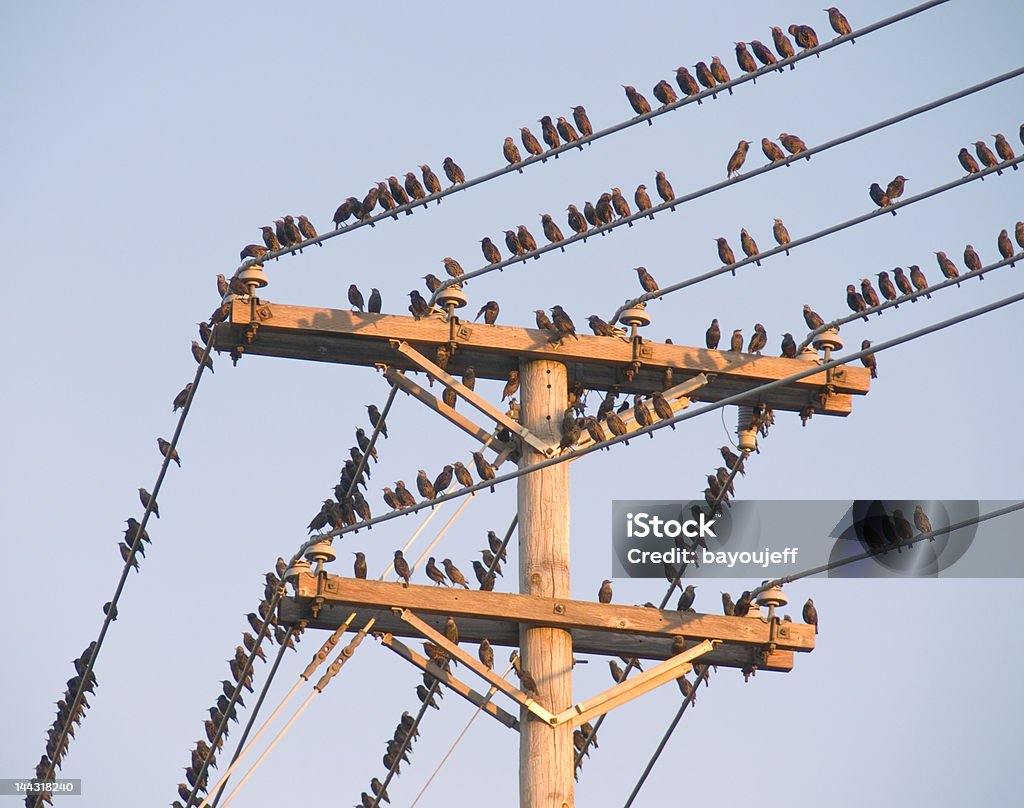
642,199
1018,234
489,311
201,356
374,304
641,414
664,93
647,283
167,451
604,594
386,200
355,297
148,502
294,232
483,468
512,242
620,205
433,282
638,102
948,267
270,239
452,267
661,407
451,631
182,397
576,220
491,252
968,162
1004,150
792,143
549,133
527,240
307,230
903,529
126,554
492,563
811,615
742,606
749,245
600,327
413,186
725,252
135,529
486,579
1020,134
781,234
251,647
868,360
731,459
430,181
736,342
736,161
713,335
720,73
1005,246
359,566
417,305
453,172
921,521
617,673
894,190
812,318
788,346
758,339
425,697
728,607
869,294
512,153
462,475
551,231
343,212
772,150
590,214
885,286
686,599
494,543
253,251
706,77
687,689
855,300
603,210
579,114
838,21
486,654
878,195
744,59
222,286
664,188
453,573
971,259
988,159
511,384
903,283
782,44
527,681
804,36
110,609
616,425
423,485
569,135
374,415
403,496
918,279
561,321
402,567
763,54
594,429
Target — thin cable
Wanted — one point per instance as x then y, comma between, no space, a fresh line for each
679,200
531,160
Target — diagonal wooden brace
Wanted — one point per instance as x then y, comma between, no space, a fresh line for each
450,681
631,688
477,667
481,404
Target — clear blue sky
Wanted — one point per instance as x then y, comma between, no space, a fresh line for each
145,144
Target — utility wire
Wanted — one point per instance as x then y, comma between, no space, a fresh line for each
679,200
689,99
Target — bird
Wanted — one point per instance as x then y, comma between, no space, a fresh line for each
492,564
706,77
903,283
423,485
604,594
772,150
355,297
792,143
758,340
971,259
661,407
413,186
359,565
810,614
375,418
1005,246
528,682
374,303
251,251
182,397
918,279
386,200
270,238
664,188
855,300
453,172
713,335
620,205
491,252
966,160
642,199
744,59
307,230
462,474
868,360
512,153
418,305
601,328
128,557
728,607
642,414
1004,150
149,502
736,161
736,342
640,104
486,654
782,44
291,231
549,133
781,234
647,282
763,54
403,495
616,425
168,451
988,159
402,567
617,673
812,318
527,240
551,231
749,245
947,266
664,93
725,252
454,574
894,190
788,346
921,521
571,431
686,598
1018,234
430,180
579,115
687,689
530,143
838,21
869,294
562,322
222,286
742,606
201,356
489,311
804,35
451,630
720,73
486,579
878,195
568,134
452,267
483,468
511,384
885,286
577,221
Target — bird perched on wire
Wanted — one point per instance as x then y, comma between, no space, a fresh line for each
201,356
148,501
620,205
758,340
375,418
772,150
168,451
576,220
642,414
713,335
307,230
530,143
719,72
643,200
869,294
738,157
1005,245
616,425
805,36
181,398
251,251
885,286
781,234
973,262
763,54
706,77
922,522
687,83
947,266
452,267
855,300
664,188
462,474
640,104
988,159
430,180
725,252
664,93
647,282
270,238
782,44
398,194
868,360
838,21
749,245
594,429
413,186
562,323
1018,234
793,144
423,485
513,244
812,318
918,279
549,133
403,495
894,190
744,59
512,153
579,115
527,240
453,172
810,614
661,407
369,202
385,200
968,162
292,229
491,252
483,468
551,231
1004,150
878,196
567,133
903,283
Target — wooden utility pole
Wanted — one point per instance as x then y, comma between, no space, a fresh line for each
545,753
